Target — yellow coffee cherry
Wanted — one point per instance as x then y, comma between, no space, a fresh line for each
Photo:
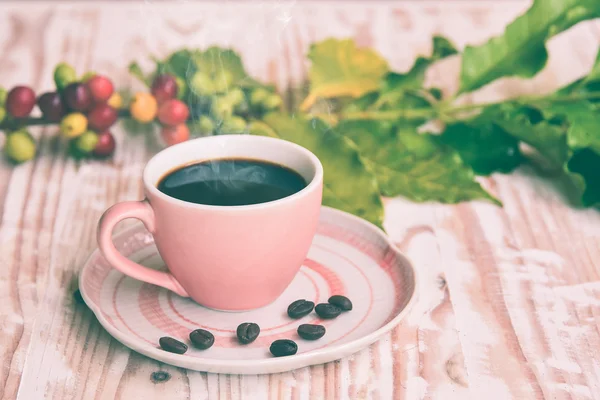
143,107
73,125
115,101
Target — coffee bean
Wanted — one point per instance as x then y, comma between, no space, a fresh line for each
202,339
283,347
311,332
247,332
160,376
327,311
300,308
341,301
172,345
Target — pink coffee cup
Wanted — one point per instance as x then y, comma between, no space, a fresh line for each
224,257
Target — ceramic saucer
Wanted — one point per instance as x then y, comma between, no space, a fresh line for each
349,256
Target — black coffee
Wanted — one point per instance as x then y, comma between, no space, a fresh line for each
231,182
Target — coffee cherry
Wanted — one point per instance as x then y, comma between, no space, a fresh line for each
143,107
175,134
102,117
204,125
257,96
101,88
221,108
223,80
115,101
164,88
181,87
20,101
51,106
87,76
173,112
272,102
19,146
235,96
106,145
3,94
2,114
73,125
86,142
78,97
233,124
201,84
64,75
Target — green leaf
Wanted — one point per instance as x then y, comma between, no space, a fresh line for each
340,69
413,165
348,184
594,75
179,63
528,125
405,90
582,168
484,146
521,50
136,71
216,60
584,124
583,140
414,78
573,145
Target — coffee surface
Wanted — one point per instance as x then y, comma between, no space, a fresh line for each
231,182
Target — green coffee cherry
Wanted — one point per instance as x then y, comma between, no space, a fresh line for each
221,108
86,142
181,87
201,84
205,124
272,102
257,96
64,75
19,146
223,81
233,124
235,96
87,76
3,94
2,114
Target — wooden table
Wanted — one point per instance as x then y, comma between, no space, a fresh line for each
510,297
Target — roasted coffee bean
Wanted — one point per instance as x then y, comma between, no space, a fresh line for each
247,332
311,332
283,347
172,345
300,308
327,311
341,301
202,339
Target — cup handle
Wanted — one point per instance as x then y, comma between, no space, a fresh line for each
143,211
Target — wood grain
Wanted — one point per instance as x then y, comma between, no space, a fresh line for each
510,297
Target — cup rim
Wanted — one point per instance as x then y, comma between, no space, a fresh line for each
314,183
